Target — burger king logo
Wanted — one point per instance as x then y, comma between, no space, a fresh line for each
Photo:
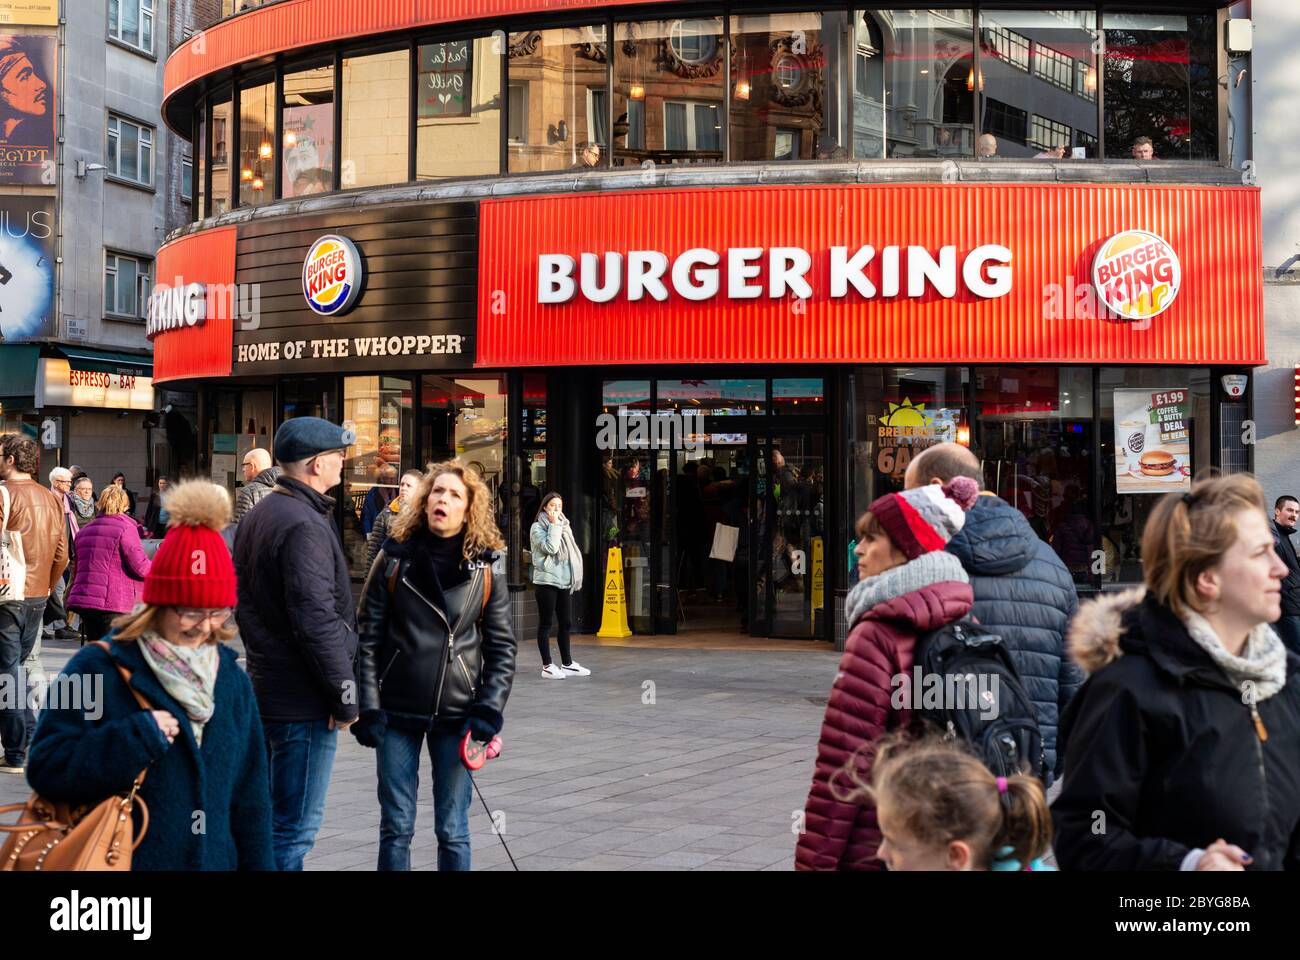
1137,274
331,275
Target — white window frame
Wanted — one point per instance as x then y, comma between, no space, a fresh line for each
143,284
146,10
691,134
144,141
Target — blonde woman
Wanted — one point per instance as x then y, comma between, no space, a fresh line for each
1181,749
437,657
111,564
200,738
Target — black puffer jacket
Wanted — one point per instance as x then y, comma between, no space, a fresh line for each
1162,744
1023,592
409,666
295,612
252,492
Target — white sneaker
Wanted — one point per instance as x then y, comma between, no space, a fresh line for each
576,669
552,672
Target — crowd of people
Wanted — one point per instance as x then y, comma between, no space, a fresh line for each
1155,728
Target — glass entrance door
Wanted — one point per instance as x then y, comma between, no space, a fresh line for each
788,509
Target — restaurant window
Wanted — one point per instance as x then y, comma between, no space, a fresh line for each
458,109
130,150
868,88
1056,98
1033,432
307,144
126,285
629,483
1161,83
187,180
308,397
221,130
929,82
1155,438
671,74
785,86
257,144
713,398
552,70
466,417
376,113
131,22
798,395
380,412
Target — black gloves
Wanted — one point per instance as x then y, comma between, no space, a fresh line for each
370,728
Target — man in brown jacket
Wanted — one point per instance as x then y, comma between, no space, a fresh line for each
36,514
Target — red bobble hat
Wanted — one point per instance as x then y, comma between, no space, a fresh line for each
925,518
192,567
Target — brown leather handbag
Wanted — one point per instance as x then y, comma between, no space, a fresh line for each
60,836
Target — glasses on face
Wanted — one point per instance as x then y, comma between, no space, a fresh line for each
192,618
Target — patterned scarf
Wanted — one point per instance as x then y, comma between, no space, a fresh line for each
938,566
85,509
188,674
1262,661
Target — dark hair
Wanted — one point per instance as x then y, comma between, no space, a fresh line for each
27,456
119,474
547,498
1285,498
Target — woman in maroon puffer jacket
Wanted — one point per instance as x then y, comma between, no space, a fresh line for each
111,565
908,586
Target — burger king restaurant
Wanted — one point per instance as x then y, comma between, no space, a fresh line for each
719,380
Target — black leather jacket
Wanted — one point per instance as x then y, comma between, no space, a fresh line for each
418,661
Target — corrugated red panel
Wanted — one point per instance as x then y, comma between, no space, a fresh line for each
305,23
201,351
1053,232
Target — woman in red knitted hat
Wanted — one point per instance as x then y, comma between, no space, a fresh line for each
199,739
908,586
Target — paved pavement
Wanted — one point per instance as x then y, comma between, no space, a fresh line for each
661,760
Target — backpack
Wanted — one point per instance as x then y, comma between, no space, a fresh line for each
982,701
13,562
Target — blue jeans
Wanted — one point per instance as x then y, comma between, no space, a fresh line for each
20,628
399,783
302,758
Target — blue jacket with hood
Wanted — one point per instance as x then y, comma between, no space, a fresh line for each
1023,592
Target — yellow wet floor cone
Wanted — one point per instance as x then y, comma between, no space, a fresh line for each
613,617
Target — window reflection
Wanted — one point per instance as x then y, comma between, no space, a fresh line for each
308,140
221,113
379,410
786,100
458,109
668,91
1160,85
557,81
376,94
1039,81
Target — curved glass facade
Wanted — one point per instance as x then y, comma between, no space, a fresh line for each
725,85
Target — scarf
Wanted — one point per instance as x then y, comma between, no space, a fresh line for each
188,674
85,509
573,556
938,566
1262,661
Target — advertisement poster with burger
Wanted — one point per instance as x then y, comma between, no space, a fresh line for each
1152,442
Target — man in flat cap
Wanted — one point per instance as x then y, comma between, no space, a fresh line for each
298,624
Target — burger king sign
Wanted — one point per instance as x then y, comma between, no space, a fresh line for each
1137,274
331,275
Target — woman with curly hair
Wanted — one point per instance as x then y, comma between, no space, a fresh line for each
437,657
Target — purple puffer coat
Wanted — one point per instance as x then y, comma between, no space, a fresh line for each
111,566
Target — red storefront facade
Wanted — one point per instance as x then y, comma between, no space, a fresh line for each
720,366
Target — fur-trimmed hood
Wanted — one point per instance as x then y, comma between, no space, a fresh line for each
1093,639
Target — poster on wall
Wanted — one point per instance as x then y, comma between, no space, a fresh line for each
26,267
41,13
308,149
907,428
445,73
1152,441
27,109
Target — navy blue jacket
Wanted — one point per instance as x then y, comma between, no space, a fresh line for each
1023,592
75,759
296,614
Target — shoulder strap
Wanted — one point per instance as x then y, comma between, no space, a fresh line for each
126,678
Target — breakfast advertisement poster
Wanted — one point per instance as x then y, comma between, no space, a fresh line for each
1152,441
